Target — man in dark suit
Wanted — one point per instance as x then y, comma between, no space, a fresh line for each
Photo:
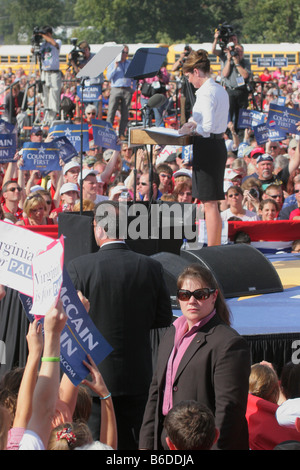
128,297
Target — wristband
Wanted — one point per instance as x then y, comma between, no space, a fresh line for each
105,398
50,359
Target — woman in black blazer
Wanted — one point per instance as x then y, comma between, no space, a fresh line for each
200,358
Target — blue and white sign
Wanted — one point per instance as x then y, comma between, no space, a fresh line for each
79,337
42,156
104,134
248,118
187,154
90,93
73,134
263,133
283,118
66,150
8,147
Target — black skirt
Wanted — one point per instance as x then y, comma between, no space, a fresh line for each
209,161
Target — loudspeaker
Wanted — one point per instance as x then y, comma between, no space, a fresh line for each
78,234
173,265
240,269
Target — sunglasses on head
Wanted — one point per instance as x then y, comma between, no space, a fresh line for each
199,294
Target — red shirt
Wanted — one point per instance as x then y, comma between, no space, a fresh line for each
18,214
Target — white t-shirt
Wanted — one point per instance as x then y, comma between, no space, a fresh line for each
31,441
249,215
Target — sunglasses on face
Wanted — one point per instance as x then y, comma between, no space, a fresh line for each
296,191
233,194
199,294
15,189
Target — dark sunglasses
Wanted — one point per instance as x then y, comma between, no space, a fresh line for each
233,194
199,294
15,189
296,191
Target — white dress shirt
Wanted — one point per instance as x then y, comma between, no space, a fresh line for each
211,109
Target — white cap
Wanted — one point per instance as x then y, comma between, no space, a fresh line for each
68,187
70,165
183,172
230,174
37,187
86,172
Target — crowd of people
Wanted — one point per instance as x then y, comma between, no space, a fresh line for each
201,391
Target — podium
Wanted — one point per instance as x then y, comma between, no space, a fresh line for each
145,136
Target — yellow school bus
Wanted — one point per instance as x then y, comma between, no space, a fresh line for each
286,55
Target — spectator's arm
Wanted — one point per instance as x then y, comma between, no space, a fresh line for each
108,431
28,383
46,390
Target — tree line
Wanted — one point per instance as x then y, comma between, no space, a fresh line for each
150,21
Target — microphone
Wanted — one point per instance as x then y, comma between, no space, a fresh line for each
155,101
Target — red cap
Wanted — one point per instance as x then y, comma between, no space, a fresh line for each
257,151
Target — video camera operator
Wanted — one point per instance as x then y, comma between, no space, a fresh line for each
79,56
188,91
50,73
235,70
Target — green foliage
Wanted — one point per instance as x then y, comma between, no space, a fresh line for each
152,21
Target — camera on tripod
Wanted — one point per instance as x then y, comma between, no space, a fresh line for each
225,33
76,55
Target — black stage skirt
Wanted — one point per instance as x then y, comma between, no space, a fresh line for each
209,161
13,330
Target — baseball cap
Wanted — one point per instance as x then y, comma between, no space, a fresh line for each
68,187
182,172
70,165
36,129
256,152
264,158
86,172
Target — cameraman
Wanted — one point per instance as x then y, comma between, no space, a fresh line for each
85,56
51,75
85,50
236,72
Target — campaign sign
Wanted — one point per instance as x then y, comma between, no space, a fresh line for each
283,118
18,246
187,154
47,270
248,118
79,336
263,133
73,134
42,156
104,134
8,147
66,150
7,127
90,93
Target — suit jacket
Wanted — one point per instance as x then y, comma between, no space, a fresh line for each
214,371
128,297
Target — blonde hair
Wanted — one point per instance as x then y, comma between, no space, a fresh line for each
263,383
33,201
87,205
